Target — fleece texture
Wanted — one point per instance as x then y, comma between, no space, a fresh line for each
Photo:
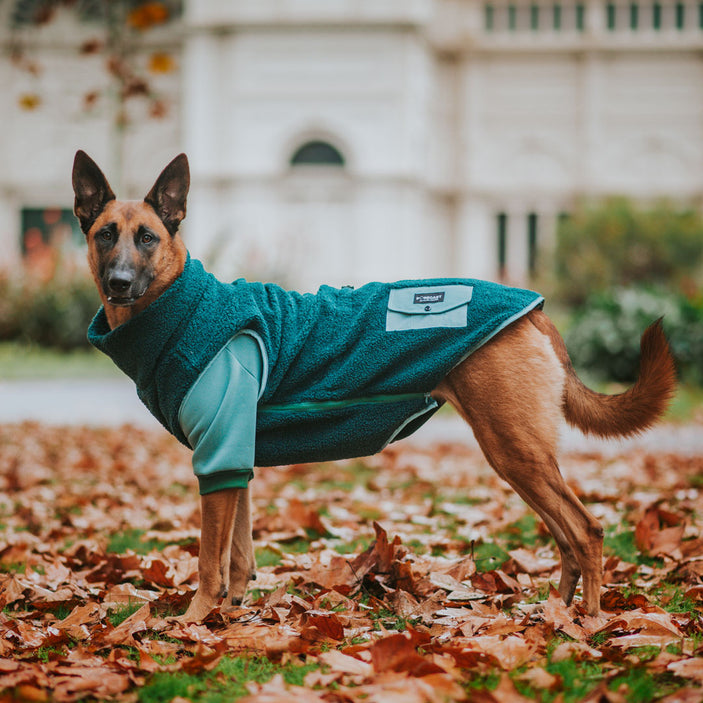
344,378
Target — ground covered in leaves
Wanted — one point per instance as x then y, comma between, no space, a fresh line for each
415,575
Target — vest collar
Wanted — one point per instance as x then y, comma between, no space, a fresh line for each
137,345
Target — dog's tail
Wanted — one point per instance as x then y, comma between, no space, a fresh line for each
623,414
639,407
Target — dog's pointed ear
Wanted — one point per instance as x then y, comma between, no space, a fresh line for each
168,196
91,188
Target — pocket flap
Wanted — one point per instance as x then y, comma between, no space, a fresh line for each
425,300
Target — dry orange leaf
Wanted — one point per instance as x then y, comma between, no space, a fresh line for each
162,62
29,101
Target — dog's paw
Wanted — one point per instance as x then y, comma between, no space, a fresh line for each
199,608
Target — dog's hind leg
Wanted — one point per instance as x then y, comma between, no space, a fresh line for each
218,512
242,564
510,391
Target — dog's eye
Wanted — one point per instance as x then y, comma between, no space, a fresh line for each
105,235
146,238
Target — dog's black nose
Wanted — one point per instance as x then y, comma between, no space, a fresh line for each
119,282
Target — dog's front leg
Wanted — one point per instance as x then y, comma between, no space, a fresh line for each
218,511
242,565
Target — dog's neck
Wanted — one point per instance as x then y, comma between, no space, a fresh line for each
169,270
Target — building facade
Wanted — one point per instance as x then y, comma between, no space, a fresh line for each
341,141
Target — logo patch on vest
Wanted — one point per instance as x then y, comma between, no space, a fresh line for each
424,298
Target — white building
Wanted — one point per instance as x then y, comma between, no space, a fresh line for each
453,133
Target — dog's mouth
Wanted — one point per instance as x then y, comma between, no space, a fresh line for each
122,302
124,296
124,299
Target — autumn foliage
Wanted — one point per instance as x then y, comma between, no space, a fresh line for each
415,575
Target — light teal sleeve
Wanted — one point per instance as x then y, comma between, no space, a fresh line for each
218,414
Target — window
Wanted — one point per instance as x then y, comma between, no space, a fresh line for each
317,153
489,17
502,232
611,15
512,17
532,243
556,16
634,15
534,17
580,16
700,15
47,235
657,15
680,15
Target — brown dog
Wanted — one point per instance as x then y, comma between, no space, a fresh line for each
513,391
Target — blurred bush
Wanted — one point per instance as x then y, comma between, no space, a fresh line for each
53,313
618,244
604,337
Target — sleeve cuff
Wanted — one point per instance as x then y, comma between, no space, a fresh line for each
210,483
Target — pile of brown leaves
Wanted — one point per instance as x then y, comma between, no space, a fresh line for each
416,575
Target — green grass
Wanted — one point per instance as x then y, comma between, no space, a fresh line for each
523,533
118,615
489,556
226,682
62,611
487,681
347,477
120,542
19,567
13,567
672,598
267,557
578,678
620,542
45,654
357,545
32,362
642,685
686,403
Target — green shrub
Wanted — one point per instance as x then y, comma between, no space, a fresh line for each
618,244
55,313
605,333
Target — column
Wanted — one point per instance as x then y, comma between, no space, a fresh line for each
476,240
10,229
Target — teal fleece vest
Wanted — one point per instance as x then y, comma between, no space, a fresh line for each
349,369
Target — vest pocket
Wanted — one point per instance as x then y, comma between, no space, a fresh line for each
425,307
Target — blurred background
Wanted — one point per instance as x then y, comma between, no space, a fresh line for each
550,144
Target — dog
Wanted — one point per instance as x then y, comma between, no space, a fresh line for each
513,390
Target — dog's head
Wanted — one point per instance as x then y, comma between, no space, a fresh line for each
134,249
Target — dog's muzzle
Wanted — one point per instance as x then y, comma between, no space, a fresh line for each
122,290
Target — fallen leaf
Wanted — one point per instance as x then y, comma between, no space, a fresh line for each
688,668
654,540
343,663
540,679
78,623
530,563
